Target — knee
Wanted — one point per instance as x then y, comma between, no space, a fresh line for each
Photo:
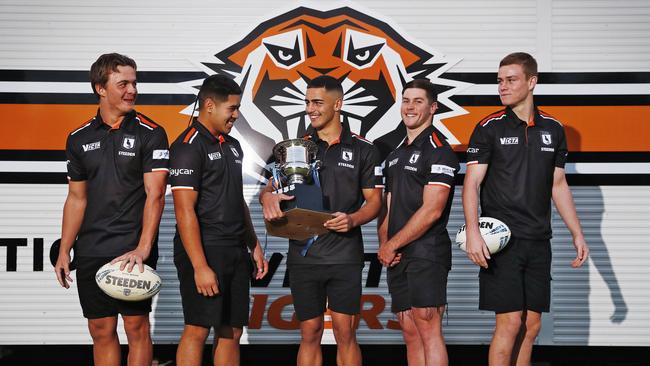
230,333
102,331
510,325
193,333
533,326
136,327
343,334
311,332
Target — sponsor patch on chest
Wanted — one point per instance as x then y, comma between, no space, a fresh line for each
214,156
509,140
91,146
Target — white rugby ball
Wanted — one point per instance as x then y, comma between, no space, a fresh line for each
495,233
122,285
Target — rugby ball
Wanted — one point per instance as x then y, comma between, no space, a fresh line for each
122,285
495,233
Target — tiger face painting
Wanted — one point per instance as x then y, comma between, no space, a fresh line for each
275,61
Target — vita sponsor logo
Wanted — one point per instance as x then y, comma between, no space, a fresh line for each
509,140
91,146
214,156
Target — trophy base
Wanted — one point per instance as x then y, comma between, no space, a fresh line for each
304,216
298,224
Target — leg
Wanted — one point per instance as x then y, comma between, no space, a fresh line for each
311,332
345,328
137,333
226,346
503,340
106,346
428,322
190,348
533,323
414,346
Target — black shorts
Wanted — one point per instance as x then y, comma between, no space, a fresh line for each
230,307
417,283
313,287
95,303
517,278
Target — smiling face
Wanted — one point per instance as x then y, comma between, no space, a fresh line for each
322,107
220,116
514,87
119,93
417,111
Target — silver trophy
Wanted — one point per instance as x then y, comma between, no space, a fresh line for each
295,173
295,159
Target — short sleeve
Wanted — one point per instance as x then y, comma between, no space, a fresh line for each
480,146
562,150
185,167
156,152
371,170
442,166
75,167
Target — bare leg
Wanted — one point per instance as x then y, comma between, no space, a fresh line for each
414,346
106,345
533,323
140,346
345,332
190,348
504,337
311,332
226,346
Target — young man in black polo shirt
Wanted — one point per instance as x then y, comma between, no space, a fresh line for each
117,172
516,160
419,192
329,273
213,227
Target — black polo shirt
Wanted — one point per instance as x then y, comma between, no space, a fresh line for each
428,160
113,163
212,166
350,164
521,159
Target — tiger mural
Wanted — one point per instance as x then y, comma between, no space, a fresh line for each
275,61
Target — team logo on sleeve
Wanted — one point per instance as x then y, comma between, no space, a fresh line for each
128,142
161,154
234,151
276,60
546,138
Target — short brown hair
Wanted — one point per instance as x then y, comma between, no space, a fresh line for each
527,62
105,65
425,85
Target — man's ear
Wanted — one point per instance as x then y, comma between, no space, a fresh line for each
100,90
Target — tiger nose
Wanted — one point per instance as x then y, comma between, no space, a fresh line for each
323,70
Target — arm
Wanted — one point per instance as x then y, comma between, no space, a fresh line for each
253,245
271,202
566,208
154,187
188,228
343,222
434,200
382,220
477,250
73,214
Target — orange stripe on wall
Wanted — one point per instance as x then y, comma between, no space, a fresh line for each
589,128
46,126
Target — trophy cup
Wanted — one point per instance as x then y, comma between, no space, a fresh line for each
296,172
